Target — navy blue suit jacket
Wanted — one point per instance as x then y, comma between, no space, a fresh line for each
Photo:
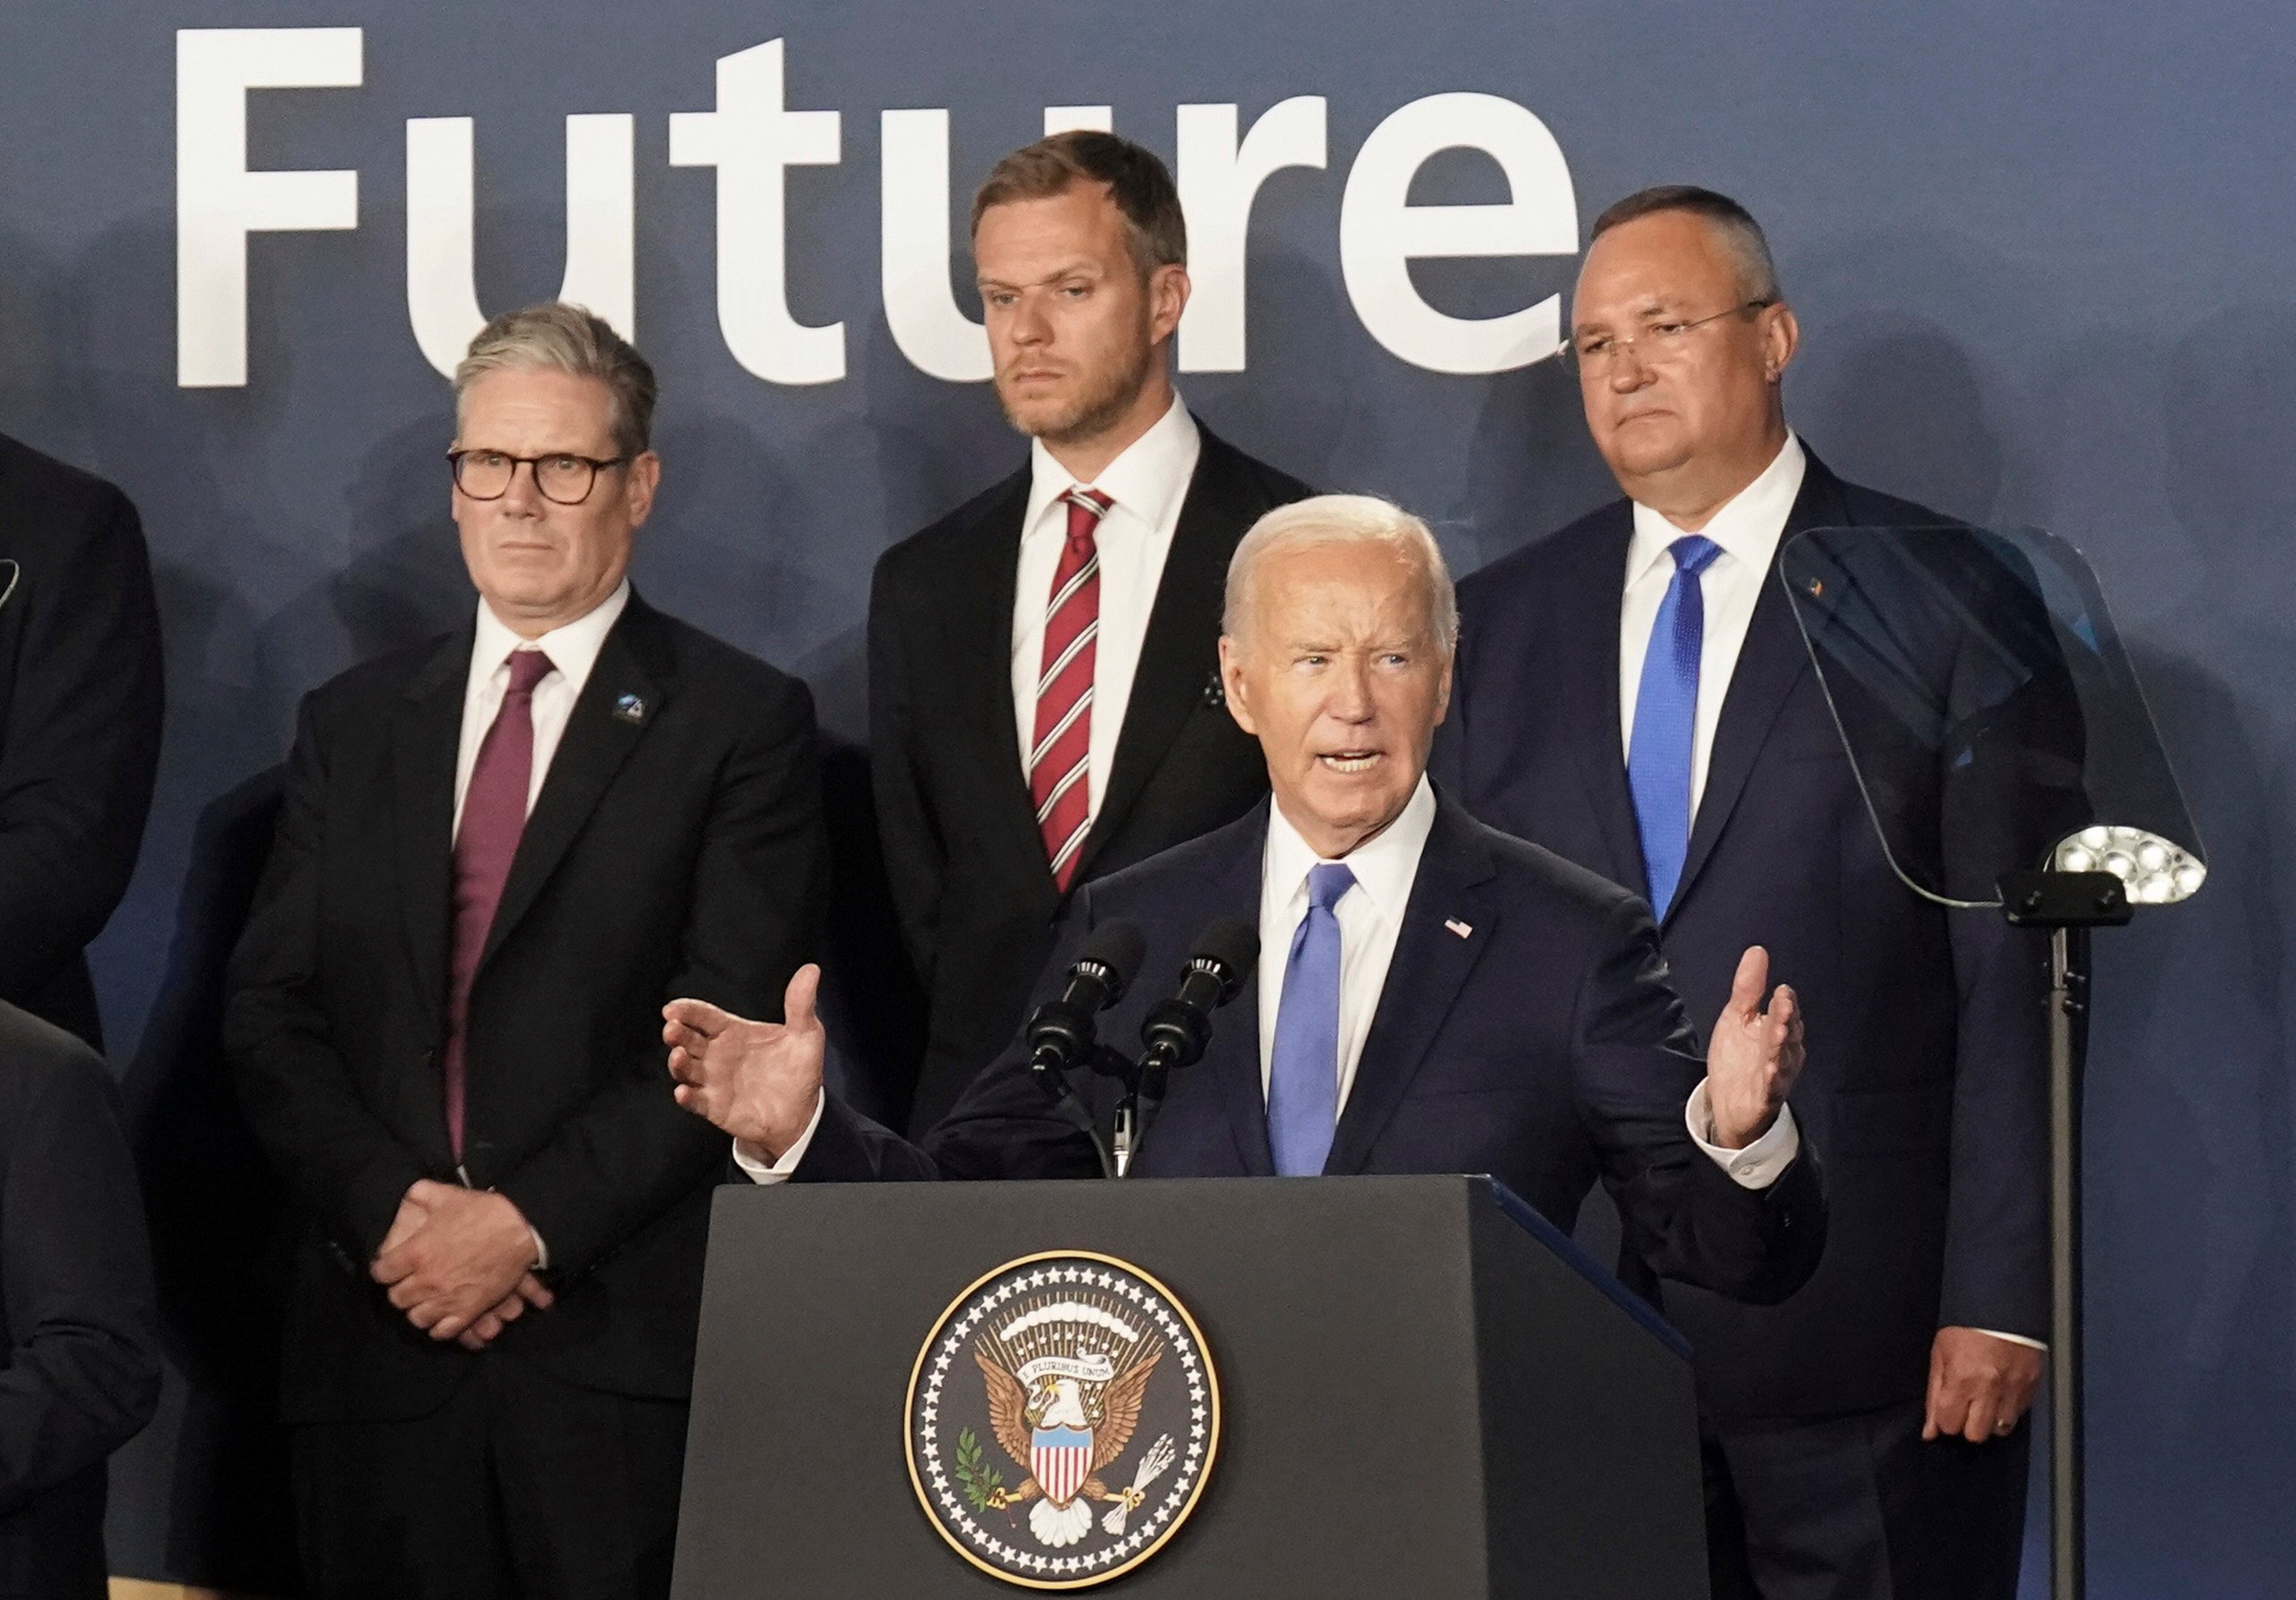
1926,1086
1543,1048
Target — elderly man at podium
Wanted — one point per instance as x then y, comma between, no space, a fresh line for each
1431,995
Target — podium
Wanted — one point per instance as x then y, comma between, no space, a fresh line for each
1423,1389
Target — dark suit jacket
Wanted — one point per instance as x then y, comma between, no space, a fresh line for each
976,895
76,1308
79,714
1544,1048
676,853
1926,1086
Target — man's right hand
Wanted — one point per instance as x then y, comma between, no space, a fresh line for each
759,1081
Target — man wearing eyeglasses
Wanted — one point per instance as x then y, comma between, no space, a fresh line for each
1633,693
500,852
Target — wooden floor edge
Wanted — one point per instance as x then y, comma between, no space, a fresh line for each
141,1588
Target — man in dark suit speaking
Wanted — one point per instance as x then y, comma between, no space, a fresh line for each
499,852
1042,703
1431,995
1634,694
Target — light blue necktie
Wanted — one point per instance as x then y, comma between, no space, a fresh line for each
1666,721
1303,1077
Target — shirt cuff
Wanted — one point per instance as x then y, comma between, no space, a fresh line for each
1758,1164
541,1250
2039,1344
752,1161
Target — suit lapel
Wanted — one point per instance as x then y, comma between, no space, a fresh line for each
425,739
1431,962
1770,662
632,671
1183,637
975,608
1586,624
1232,1059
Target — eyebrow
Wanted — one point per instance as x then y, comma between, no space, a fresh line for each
1086,269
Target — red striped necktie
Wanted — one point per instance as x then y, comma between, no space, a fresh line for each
1060,751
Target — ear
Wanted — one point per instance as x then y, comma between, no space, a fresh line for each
1168,288
1781,337
1443,690
645,475
1232,685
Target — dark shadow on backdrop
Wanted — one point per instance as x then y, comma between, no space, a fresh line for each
217,1227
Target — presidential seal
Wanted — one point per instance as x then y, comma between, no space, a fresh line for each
1063,1419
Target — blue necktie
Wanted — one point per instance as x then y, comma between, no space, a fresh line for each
1303,1077
1666,721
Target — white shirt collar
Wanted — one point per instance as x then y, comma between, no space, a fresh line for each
1384,867
572,646
1144,481
1748,526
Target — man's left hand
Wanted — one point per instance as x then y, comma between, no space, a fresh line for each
1754,1056
1979,1384
470,1254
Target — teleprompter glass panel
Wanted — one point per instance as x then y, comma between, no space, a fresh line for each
1991,714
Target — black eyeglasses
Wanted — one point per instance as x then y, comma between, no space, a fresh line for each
563,479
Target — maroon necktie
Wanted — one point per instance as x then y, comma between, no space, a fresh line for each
1059,753
494,815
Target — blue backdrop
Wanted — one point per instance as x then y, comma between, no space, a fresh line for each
2040,258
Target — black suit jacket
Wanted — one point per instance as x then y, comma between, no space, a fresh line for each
975,892
1544,1048
76,1308
79,714
1926,1087
673,851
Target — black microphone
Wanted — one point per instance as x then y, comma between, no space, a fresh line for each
1062,1032
1177,1030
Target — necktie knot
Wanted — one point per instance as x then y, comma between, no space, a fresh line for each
527,669
1327,883
1086,507
1693,552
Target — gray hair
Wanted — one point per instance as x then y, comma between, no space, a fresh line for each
1740,235
1345,519
557,337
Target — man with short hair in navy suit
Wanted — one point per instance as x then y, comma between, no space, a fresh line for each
1633,694
1432,996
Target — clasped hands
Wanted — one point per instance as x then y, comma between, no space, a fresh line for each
460,1262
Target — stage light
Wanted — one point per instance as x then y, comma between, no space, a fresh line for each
2157,871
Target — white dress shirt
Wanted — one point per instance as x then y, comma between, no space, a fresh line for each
1370,917
572,649
1748,527
1147,483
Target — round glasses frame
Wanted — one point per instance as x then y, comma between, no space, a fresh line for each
557,484
1656,344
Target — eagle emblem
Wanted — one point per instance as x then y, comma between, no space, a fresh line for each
1100,1415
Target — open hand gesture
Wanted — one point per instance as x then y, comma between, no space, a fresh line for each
759,1081
1754,1056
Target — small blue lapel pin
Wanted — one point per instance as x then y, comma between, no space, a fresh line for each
629,708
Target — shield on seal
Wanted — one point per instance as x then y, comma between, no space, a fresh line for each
1061,1458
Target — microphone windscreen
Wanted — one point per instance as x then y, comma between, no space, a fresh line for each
1119,946
1233,943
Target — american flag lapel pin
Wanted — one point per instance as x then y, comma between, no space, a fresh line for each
629,708
1457,927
